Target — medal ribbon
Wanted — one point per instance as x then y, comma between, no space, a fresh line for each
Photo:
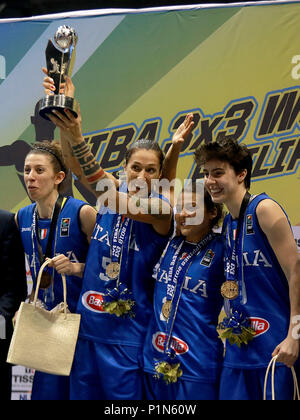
232,253
39,257
174,292
120,243
119,236
35,228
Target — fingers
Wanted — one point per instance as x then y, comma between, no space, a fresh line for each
48,83
57,120
62,264
288,358
187,125
64,120
50,88
69,88
276,351
188,122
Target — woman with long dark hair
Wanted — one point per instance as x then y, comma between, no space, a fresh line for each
132,229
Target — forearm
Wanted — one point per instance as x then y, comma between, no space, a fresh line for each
294,293
171,161
69,158
77,269
89,165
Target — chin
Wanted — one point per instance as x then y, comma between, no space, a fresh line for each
33,196
218,199
185,231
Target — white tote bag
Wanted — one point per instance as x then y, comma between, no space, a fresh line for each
44,340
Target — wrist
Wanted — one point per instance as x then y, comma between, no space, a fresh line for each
177,146
76,140
77,269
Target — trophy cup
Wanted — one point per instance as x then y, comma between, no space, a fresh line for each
60,61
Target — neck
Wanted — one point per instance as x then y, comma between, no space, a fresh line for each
235,203
195,238
46,205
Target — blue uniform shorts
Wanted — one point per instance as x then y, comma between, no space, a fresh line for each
157,389
106,372
50,387
248,384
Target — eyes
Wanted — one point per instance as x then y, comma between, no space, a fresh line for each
137,168
215,174
189,207
38,170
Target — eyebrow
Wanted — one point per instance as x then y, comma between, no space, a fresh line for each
139,163
214,169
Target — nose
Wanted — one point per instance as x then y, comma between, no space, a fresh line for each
184,213
209,179
30,175
142,174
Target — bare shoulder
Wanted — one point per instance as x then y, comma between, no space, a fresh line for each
87,211
88,217
270,213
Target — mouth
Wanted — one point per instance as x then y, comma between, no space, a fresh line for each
183,224
215,191
31,188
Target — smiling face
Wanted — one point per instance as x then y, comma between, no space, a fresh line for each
142,167
222,182
192,218
40,178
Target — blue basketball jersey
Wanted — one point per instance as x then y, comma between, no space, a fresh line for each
194,337
264,290
144,249
68,240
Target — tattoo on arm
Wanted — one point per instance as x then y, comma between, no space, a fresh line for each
91,168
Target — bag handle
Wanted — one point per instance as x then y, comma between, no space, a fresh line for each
48,261
272,364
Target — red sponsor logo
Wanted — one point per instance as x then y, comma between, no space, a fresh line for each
93,301
158,341
259,325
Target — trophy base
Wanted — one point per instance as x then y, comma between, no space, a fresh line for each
58,103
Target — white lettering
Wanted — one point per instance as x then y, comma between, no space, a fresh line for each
2,67
2,328
200,286
296,329
163,277
260,258
296,70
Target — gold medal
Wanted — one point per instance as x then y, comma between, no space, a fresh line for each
230,290
113,270
166,309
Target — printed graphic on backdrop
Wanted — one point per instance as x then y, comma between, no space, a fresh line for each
138,74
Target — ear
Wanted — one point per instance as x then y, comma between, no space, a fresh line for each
59,177
242,176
